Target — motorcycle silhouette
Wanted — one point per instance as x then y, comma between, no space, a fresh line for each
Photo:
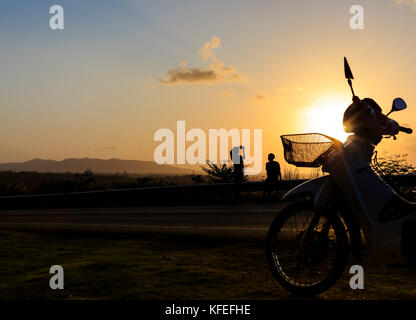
351,207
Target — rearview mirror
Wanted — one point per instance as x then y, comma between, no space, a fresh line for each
398,105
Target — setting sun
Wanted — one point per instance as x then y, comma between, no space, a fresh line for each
325,117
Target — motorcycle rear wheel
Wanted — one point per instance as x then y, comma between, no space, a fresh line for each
315,267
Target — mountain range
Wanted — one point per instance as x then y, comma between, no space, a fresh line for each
96,165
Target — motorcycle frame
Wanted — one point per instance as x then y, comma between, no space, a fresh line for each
339,192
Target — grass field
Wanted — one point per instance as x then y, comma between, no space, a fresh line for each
148,266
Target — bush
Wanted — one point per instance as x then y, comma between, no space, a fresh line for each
394,164
221,173
11,188
390,165
218,173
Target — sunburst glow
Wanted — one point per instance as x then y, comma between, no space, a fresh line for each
326,117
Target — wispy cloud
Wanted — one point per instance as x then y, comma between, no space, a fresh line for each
184,74
260,98
217,71
410,3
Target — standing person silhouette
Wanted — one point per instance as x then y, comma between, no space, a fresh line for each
238,162
273,175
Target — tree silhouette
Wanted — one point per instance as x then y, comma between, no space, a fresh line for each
218,173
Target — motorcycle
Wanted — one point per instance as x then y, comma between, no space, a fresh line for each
349,208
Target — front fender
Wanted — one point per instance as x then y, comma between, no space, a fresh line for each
320,189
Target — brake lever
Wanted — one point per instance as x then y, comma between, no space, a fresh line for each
391,136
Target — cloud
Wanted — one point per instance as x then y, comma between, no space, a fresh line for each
410,3
206,50
108,148
260,98
217,71
184,74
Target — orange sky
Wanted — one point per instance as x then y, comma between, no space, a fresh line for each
102,87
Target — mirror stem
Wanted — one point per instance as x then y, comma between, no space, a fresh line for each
352,90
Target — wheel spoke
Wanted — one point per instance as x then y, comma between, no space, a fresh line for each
318,256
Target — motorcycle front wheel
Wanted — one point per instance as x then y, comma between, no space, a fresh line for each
307,259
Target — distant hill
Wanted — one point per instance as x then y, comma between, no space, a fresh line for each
96,165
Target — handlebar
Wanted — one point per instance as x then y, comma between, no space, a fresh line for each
406,130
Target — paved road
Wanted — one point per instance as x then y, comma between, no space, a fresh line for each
225,220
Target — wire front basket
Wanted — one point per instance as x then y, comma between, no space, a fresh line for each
308,149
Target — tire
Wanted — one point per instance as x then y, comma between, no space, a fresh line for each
282,248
